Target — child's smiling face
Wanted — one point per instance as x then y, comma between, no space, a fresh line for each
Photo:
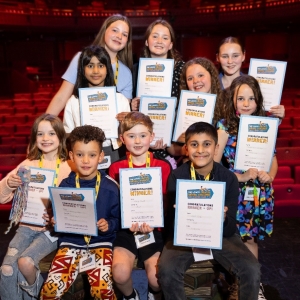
95,72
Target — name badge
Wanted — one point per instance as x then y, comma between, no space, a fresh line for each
106,162
87,262
249,194
143,240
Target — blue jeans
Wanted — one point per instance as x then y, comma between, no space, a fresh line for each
26,243
234,257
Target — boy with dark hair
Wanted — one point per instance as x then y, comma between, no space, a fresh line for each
86,153
137,134
201,145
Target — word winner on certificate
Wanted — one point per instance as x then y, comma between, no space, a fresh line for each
141,197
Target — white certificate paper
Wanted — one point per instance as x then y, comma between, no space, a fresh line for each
161,111
141,197
270,75
256,143
98,107
38,195
193,107
155,77
199,213
74,210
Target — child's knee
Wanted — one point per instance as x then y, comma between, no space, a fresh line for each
7,270
25,262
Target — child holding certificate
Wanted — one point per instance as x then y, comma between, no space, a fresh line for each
199,75
94,70
137,134
254,216
115,36
76,251
231,54
201,145
20,274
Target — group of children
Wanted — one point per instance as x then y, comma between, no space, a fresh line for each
107,63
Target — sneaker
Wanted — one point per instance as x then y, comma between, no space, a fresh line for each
261,295
233,291
156,296
137,297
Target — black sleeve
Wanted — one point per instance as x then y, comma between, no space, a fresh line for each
170,214
231,201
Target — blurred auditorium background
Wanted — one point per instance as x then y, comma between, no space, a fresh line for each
38,38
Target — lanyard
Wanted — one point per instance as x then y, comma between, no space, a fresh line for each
117,71
56,169
147,160
193,173
87,238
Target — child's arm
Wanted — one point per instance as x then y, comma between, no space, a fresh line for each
265,177
8,185
60,99
111,223
250,174
222,141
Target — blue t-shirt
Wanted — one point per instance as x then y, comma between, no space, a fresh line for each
124,85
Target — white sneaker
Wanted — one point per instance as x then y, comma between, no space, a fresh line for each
137,297
154,296
233,292
261,295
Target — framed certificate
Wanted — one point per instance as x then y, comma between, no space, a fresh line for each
270,75
74,210
193,107
161,111
38,195
256,143
98,107
141,197
199,213
155,77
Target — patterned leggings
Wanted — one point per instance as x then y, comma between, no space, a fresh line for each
64,270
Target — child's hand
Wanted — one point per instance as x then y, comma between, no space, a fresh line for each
48,217
144,228
135,104
264,177
159,145
225,211
102,225
278,111
250,174
121,116
14,181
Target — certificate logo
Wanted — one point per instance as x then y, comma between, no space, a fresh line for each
261,127
97,97
104,161
266,70
202,193
140,179
37,178
144,237
196,102
157,106
72,197
155,68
